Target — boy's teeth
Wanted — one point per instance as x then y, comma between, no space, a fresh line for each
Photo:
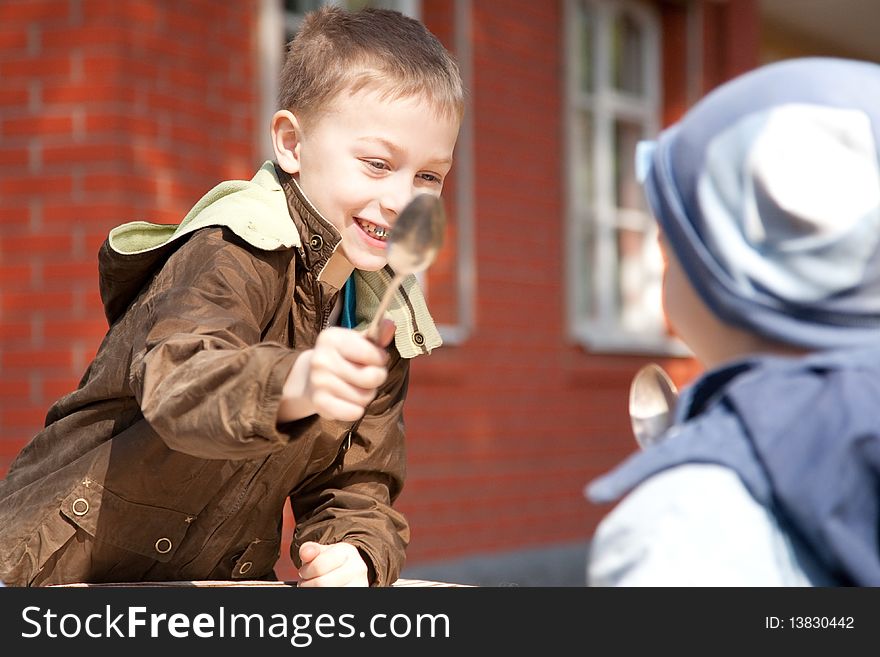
376,231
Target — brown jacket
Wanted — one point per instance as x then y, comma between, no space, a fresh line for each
166,463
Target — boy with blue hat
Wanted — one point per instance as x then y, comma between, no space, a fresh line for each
767,194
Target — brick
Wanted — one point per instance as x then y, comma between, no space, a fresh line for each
91,329
22,418
12,40
184,135
64,214
118,182
15,389
86,93
12,330
93,307
167,215
24,11
182,107
190,23
94,240
14,157
189,79
12,440
32,359
37,126
163,46
54,388
15,68
143,13
238,41
90,153
14,276
39,244
125,125
12,96
96,11
86,36
18,303
154,157
10,447
120,70
87,353
87,271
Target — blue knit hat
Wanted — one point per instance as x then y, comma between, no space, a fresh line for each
768,191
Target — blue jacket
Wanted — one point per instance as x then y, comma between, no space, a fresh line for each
803,435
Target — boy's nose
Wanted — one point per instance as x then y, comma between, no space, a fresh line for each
396,194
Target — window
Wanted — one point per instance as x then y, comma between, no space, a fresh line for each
612,101
294,9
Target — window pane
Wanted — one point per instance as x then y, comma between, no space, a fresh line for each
586,279
354,5
628,44
301,6
627,191
640,270
586,43
584,158
305,6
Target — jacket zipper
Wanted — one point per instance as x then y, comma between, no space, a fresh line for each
346,442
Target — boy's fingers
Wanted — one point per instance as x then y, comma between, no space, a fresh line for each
330,406
338,564
308,551
348,380
386,332
322,559
356,347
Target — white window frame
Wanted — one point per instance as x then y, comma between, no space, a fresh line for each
600,328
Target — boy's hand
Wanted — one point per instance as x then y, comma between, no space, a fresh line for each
338,377
339,564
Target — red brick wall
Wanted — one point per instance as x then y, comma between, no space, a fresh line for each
731,40
110,111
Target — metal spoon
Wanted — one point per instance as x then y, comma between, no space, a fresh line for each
413,243
652,400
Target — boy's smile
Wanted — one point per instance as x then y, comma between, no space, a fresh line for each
362,160
380,233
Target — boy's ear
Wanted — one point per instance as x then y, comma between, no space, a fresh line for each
286,140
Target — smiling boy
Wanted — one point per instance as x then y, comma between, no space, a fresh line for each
232,377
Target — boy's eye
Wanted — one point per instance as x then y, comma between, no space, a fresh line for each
432,178
378,164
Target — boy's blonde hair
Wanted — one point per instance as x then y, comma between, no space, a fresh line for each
337,50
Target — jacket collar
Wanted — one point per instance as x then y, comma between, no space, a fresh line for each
320,239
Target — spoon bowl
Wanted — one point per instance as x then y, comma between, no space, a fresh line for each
652,400
413,243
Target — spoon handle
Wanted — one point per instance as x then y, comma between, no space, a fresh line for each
373,328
